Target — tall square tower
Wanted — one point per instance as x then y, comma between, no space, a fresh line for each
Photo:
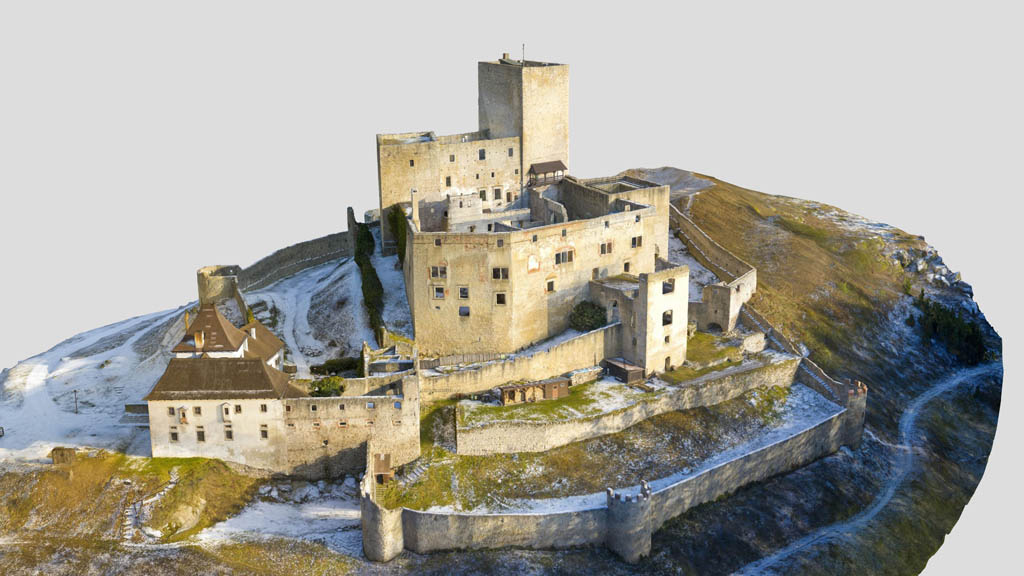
530,100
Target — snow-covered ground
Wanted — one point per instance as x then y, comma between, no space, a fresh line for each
804,408
699,275
330,283
108,367
118,364
333,521
397,316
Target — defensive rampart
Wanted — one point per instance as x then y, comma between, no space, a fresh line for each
582,351
627,519
525,436
721,303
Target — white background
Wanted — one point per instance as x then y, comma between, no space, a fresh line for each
140,141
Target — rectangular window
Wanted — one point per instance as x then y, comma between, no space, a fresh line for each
483,194
398,405
370,405
312,407
341,406
499,298
463,310
316,425
438,271
174,434
482,153
438,292
227,411
343,424
638,241
228,433
463,292
511,152
508,196
238,408
492,174
668,286
448,181
534,238
550,286
606,248
666,318
625,266
500,242
563,257
200,434
517,171
263,407
451,157
437,241
497,193
197,410
287,408
499,273
411,163
264,432
369,422
170,411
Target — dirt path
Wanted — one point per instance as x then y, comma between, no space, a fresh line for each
904,463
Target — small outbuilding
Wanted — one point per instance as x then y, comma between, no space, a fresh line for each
551,389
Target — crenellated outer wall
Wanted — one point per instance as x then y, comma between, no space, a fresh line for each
625,527
524,436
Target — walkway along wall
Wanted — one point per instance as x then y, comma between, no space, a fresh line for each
625,523
523,436
720,303
583,351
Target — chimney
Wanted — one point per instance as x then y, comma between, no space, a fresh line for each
252,333
200,340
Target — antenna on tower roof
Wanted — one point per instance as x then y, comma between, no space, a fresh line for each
523,61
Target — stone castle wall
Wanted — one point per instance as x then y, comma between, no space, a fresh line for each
294,259
624,525
327,436
522,436
583,351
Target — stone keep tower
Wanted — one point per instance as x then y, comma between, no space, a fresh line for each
530,100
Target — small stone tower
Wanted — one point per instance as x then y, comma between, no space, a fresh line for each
629,524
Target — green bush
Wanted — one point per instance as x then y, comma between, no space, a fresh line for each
587,316
396,220
336,365
330,386
962,337
373,290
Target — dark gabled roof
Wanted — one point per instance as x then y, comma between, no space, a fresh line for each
219,379
547,167
219,334
265,344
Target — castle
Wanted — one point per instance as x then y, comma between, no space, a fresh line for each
497,243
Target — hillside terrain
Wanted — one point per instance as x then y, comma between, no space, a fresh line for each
856,295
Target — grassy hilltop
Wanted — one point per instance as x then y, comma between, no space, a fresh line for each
841,286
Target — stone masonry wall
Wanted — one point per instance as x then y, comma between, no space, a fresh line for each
582,351
293,259
522,436
635,518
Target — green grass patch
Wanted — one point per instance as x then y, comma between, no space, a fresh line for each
686,373
702,348
584,400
